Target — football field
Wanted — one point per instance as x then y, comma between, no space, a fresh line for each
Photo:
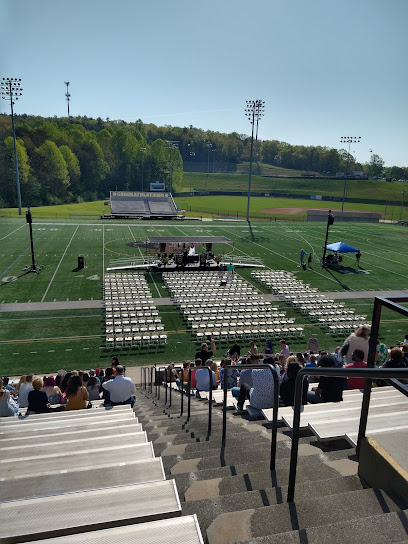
73,338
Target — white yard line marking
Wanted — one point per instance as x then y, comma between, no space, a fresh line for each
4,237
59,264
157,289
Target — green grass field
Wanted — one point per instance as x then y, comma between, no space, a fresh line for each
49,339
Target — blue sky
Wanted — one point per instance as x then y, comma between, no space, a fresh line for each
325,68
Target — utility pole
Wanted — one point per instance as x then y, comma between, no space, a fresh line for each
67,96
254,111
347,140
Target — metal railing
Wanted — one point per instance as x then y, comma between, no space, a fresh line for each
275,404
367,373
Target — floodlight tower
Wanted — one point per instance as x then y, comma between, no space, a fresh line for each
254,111
10,89
347,140
67,96
143,151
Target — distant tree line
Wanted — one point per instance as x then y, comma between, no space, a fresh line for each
82,160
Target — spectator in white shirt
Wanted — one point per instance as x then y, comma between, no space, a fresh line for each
122,389
285,351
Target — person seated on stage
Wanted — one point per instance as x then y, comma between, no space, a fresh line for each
260,395
37,399
52,390
76,393
329,389
202,379
357,358
233,374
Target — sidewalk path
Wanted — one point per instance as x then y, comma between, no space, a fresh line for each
81,304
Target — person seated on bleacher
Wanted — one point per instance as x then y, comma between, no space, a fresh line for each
7,385
93,388
214,368
64,382
287,387
197,364
182,378
52,391
234,352
233,374
37,398
260,395
329,389
108,375
25,388
76,393
253,348
358,362
6,407
20,383
202,379
122,390
205,354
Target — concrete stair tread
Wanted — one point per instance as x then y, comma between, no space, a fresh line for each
62,417
74,479
210,505
81,511
302,514
180,530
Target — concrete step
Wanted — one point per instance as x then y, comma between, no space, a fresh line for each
64,447
176,464
22,441
304,513
210,505
390,528
81,511
73,479
23,465
180,530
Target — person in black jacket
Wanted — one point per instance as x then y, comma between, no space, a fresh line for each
287,387
330,389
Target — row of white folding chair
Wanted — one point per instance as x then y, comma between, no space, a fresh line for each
136,340
134,329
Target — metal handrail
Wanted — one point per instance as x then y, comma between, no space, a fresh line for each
275,404
367,373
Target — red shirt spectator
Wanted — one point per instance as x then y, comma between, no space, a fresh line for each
358,362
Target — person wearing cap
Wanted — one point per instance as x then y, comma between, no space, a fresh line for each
122,390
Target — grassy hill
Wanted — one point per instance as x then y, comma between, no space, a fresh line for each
372,189
263,169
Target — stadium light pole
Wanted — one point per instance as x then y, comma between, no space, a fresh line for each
209,146
192,154
347,140
10,89
254,111
172,144
215,152
67,96
402,203
143,151
330,221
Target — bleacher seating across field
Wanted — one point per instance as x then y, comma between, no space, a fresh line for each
142,204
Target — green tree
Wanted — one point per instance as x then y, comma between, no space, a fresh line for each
94,168
8,185
51,172
74,170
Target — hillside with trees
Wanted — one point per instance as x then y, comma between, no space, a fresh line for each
82,160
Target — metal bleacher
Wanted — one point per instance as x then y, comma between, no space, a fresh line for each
86,476
147,205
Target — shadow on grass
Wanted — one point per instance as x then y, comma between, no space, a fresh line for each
2,284
344,286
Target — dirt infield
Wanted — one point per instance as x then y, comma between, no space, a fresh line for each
284,211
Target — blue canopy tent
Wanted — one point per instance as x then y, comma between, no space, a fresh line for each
341,247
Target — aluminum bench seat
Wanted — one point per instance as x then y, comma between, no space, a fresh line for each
81,511
59,445
343,412
87,478
380,433
64,436
182,530
69,426
329,430
25,465
62,417
26,423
